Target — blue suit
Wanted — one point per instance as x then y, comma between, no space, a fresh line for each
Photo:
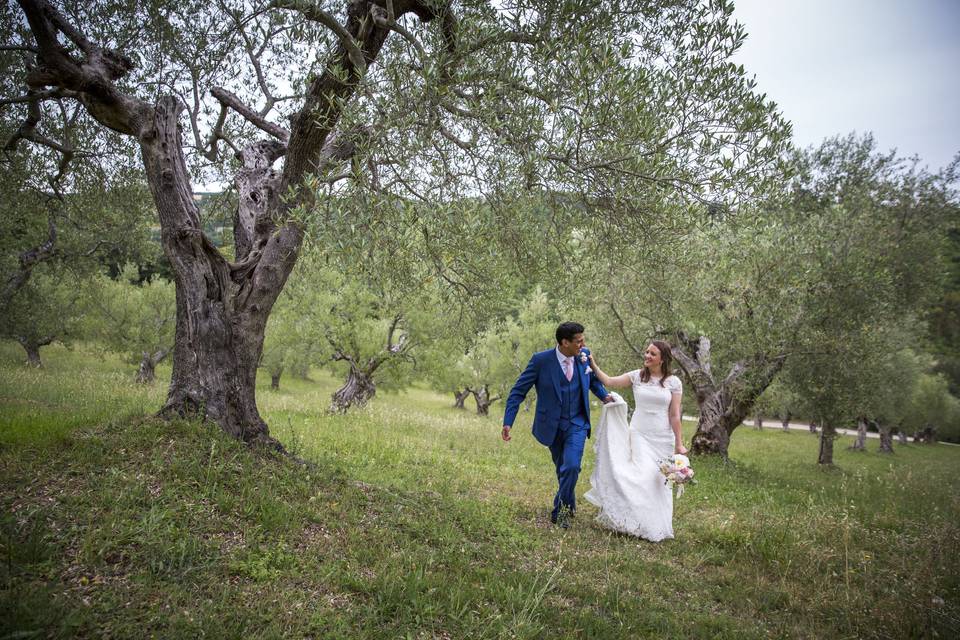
562,418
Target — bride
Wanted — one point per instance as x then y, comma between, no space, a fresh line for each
626,482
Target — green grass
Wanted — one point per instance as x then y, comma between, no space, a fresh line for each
418,522
41,406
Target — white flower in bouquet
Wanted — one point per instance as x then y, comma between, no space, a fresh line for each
677,472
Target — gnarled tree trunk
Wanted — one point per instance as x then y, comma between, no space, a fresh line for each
360,386
724,405
32,347
827,435
146,372
355,392
886,437
459,397
219,334
861,441
483,400
222,307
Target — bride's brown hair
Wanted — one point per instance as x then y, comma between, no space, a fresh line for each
666,357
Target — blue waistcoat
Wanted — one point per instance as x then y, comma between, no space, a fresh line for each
571,404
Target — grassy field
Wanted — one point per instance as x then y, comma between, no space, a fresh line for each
417,522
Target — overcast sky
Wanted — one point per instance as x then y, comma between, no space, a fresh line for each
836,66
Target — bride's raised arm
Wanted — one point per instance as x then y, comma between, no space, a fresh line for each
610,382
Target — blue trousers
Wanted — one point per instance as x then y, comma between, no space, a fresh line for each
567,452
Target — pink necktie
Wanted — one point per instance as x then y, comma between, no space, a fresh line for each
568,368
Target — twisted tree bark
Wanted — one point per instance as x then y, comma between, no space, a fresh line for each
275,379
484,400
357,391
32,347
146,372
860,443
459,397
360,386
726,403
222,307
886,437
827,435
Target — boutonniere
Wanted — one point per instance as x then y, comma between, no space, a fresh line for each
585,358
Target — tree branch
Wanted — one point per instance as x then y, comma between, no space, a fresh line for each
393,327
33,96
28,260
313,12
228,99
623,331
93,78
216,134
382,18
19,47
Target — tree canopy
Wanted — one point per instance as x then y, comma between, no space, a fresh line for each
612,114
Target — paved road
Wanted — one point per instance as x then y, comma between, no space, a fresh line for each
799,426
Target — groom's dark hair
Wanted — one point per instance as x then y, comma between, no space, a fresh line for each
567,330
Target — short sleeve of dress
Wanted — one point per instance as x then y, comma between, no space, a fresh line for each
674,384
634,376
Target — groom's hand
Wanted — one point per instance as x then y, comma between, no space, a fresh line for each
608,399
505,434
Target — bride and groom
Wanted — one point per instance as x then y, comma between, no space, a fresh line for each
626,483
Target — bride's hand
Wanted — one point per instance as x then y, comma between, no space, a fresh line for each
679,448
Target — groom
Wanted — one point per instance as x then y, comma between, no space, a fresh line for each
562,420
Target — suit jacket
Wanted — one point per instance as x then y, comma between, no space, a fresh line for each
544,371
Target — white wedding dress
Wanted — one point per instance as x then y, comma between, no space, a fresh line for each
626,483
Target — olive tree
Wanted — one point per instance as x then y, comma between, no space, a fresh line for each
66,213
69,197
857,237
627,104
47,308
500,353
373,335
133,319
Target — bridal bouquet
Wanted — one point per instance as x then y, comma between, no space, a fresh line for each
677,472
